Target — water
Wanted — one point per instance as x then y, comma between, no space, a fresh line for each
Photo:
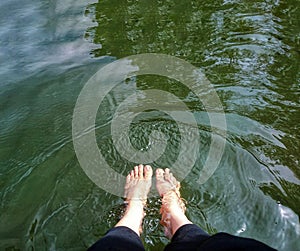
250,52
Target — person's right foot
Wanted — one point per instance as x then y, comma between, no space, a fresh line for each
138,183
172,204
137,187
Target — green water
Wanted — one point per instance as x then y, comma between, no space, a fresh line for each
249,51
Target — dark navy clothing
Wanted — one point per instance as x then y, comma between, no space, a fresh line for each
187,238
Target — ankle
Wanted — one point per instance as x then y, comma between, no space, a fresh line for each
175,209
135,209
136,204
173,202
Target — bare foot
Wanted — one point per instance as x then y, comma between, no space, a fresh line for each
137,187
138,183
173,208
165,181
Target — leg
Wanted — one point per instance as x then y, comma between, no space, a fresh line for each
185,235
119,239
173,208
138,184
125,235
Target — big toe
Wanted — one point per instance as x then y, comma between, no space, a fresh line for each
148,172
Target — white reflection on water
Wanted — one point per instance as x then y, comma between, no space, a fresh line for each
35,35
287,214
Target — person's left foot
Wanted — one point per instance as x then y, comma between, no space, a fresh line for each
138,183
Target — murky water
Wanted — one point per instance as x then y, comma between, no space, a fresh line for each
250,52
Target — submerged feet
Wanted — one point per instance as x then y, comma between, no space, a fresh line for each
137,187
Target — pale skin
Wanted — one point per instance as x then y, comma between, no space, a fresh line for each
138,184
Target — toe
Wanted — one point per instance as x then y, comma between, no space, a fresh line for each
136,172
141,171
159,174
167,174
148,172
173,179
128,178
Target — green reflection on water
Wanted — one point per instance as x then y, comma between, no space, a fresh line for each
248,50
249,53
